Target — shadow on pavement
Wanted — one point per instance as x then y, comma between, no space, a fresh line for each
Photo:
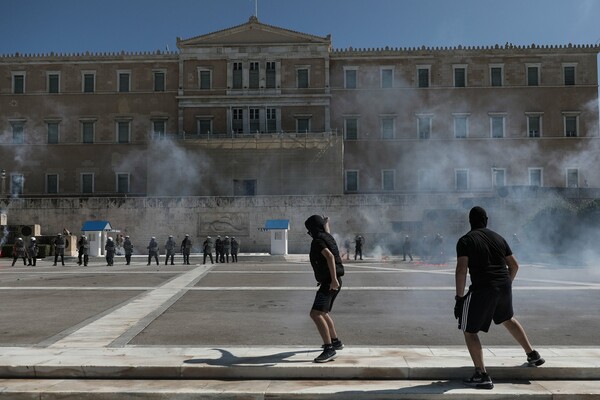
228,359
433,388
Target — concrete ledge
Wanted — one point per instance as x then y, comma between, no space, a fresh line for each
272,363
49,389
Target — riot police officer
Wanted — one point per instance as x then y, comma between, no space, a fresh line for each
226,248
59,249
83,247
207,249
235,247
110,248
32,251
218,248
170,250
19,251
128,247
152,250
186,249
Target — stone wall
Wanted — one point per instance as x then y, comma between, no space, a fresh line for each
382,219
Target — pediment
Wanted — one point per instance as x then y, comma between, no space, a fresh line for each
252,33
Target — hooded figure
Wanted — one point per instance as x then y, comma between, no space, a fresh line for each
317,229
488,259
328,269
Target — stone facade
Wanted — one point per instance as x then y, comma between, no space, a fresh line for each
257,110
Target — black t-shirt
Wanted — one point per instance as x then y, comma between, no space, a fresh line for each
487,252
324,240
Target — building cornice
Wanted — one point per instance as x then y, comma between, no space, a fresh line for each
508,48
92,56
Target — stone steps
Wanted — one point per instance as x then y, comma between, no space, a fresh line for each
260,373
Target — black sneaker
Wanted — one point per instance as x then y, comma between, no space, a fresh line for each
479,380
336,343
534,359
328,354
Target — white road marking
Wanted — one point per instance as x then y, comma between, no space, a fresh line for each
103,331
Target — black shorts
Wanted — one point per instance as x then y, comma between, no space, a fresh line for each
325,297
484,305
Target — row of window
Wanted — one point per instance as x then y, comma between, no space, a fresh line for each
254,78
88,128
88,81
243,120
497,122
86,183
427,180
241,187
531,75
268,120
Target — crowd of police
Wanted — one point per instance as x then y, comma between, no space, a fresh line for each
429,248
224,249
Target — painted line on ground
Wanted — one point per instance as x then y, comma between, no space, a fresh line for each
105,330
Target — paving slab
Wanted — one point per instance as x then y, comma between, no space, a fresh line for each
286,363
242,331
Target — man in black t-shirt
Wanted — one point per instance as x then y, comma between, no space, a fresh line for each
328,269
492,267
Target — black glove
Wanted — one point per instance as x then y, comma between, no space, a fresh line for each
458,306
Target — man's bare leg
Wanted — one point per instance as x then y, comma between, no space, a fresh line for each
330,326
475,350
516,330
320,321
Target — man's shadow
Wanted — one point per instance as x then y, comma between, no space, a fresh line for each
228,359
426,389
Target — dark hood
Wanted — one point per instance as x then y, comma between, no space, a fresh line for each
315,224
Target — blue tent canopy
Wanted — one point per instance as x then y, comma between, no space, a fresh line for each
277,224
96,226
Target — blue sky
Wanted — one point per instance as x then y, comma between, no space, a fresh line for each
40,26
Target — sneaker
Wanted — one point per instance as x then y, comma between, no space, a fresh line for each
479,380
336,343
328,354
534,359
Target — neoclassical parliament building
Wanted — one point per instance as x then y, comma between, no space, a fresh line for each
257,110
